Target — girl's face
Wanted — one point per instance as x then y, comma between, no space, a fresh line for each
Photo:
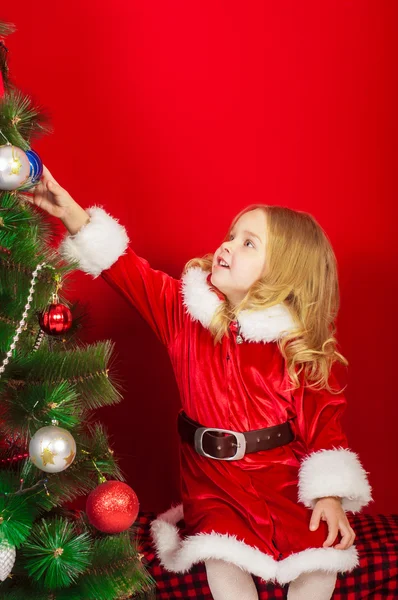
240,261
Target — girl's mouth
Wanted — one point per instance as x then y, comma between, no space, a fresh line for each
221,263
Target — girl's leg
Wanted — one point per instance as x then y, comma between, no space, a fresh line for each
229,582
317,585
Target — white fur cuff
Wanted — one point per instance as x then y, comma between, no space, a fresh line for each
335,472
97,245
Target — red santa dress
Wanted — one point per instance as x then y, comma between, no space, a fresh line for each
253,512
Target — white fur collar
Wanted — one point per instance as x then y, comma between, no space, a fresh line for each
264,325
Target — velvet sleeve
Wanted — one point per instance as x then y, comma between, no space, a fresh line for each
102,247
329,467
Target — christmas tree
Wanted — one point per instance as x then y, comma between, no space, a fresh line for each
52,449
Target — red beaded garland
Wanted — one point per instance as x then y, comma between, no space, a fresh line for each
15,458
112,507
56,319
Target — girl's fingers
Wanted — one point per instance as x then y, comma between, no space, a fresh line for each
316,515
333,530
348,537
345,541
37,189
56,190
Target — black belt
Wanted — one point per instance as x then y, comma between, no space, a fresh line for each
224,444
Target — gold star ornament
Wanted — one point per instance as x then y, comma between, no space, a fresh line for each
69,459
48,456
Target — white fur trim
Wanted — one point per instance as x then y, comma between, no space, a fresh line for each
178,555
97,245
316,559
336,472
198,298
264,325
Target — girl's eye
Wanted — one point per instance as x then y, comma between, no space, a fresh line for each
250,242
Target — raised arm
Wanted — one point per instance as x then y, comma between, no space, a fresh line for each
100,246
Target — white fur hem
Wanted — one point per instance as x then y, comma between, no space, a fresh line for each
97,245
179,555
336,472
317,559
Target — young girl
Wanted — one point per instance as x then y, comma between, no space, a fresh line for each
249,331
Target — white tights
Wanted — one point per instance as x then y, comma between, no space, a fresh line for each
229,582
317,585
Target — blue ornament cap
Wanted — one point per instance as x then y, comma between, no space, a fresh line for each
36,165
36,169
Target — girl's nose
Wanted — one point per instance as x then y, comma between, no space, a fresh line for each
226,246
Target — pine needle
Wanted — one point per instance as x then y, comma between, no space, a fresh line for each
55,554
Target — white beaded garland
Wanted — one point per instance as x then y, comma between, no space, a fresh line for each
24,315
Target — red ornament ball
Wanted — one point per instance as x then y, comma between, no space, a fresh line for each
56,319
112,507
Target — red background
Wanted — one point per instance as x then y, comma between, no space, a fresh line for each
174,116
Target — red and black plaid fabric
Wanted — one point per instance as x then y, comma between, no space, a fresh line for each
375,578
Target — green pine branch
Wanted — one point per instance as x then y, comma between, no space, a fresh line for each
55,554
25,236
20,120
87,368
16,513
32,407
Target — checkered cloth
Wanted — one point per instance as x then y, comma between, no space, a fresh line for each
375,578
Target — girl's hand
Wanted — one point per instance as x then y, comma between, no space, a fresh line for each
51,197
329,509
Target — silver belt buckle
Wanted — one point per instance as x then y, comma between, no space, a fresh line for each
240,443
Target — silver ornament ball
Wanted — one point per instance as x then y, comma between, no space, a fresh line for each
14,167
52,449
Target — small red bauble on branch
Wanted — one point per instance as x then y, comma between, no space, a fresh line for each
112,507
56,319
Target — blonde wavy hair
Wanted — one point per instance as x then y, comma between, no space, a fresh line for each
301,272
